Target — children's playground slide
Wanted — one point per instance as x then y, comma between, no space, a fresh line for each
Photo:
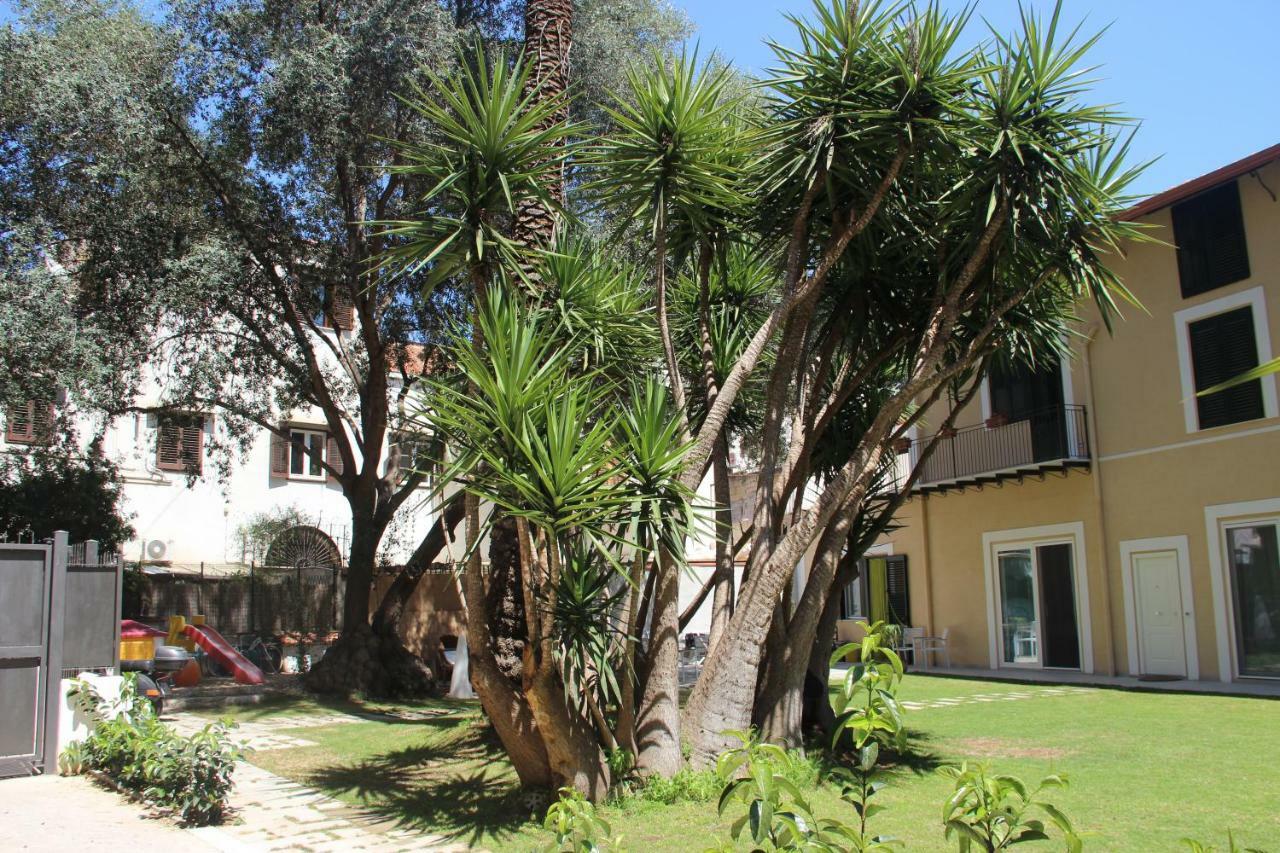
216,647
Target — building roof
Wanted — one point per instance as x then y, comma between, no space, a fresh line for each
1205,182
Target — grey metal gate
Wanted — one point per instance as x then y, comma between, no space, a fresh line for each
31,577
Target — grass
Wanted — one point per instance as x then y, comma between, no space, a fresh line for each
1146,769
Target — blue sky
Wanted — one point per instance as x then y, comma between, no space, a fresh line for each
1201,76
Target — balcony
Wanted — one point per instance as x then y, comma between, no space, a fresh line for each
1052,439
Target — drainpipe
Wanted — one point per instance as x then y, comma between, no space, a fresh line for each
1091,419
928,566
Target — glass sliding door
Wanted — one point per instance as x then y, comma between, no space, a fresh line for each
1019,610
1038,620
1254,559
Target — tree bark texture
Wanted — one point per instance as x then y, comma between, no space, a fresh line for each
658,715
548,39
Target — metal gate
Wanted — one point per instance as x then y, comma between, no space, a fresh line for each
31,576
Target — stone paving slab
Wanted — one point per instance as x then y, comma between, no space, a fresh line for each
1004,696
274,813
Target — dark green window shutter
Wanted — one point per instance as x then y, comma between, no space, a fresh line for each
1209,233
899,596
1223,347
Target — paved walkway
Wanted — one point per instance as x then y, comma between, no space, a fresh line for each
1002,696
274,813
70,814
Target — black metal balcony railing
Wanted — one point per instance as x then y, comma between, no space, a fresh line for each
1057,436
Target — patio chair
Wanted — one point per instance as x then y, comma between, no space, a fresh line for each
927,646
907,643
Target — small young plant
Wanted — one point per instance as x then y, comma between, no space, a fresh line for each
867,706
577,828
759,776
992,812
859,786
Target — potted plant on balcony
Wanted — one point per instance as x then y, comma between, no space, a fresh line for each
902,445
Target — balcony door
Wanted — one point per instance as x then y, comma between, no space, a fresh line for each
1038,624
1022,393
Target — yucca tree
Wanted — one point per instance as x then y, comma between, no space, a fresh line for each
927,201
495,143
673,163
589,469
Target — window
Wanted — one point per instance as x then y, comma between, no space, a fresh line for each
1223,347
880,592
335,308
1209,233
304,454
29,423
303,464
1253,555
180,443
1217,341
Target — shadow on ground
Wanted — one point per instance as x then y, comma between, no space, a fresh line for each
458,784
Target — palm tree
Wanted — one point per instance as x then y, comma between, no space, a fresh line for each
548,38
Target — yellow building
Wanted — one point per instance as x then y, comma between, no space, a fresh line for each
1096,515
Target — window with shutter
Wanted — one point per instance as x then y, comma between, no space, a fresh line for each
1209,233
1222,347
899,595
180,444
29,423
306,454
336,308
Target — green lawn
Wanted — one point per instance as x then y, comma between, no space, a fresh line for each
1146,769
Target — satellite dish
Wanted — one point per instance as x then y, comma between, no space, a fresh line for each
156,549
304,547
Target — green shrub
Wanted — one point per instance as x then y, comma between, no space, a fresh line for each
577,828
686,786
187,776
991,812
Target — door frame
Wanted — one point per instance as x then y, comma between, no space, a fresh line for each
1217,518
1071,532
1179,545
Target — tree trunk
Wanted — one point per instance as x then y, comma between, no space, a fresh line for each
506,597
572,748
722,589
658,717
781,702
505,707
386,621
363,661
548,38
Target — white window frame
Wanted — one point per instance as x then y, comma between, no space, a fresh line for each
1218,518
995,541
1255,299
307,459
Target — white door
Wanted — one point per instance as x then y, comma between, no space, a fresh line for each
1159,604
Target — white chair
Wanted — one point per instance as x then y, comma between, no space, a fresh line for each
927,646
907,643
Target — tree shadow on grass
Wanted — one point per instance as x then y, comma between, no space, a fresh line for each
457,784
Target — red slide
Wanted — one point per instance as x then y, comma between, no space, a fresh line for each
220,650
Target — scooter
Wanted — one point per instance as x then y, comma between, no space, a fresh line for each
155,675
